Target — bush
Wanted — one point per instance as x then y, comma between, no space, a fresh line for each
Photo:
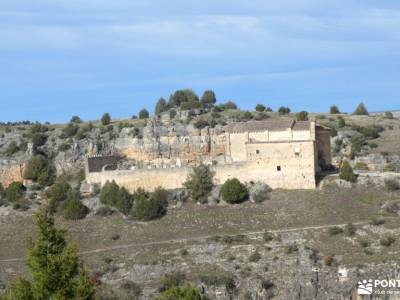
346,172
291,248
302,116
70,130
104,211
233,191
40,169
146,209
329,260
11,149
387,240
284,110
267,284
201,123
106,119
14,191
377,221
58,193
172,280
73,208
143,114
350,229
260,108
361,166
389,168
363,243
255,257
111,194
341,122
335,230
392,184
184,292
361,110
334,110
388,115
200,183
268,236
38,139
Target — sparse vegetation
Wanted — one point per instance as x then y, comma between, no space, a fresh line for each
335,230
392,184
387,241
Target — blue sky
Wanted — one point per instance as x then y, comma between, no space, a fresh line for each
60,58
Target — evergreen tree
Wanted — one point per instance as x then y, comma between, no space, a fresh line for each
361,110
161,107
200,183
143,114
334,110
208,99
284,110
346,172
233,191
260,108
54,266
106,119
302,116
184,292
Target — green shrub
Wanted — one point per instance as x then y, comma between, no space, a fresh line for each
283,110
201,123
14,191
363,243
200,183
111,194
267,284
388,115
58,193
387,240
302,116
146,209
392,184
268,236
350,229
389,168
377,221
361,166
341,122
70,130
11,149
346,172
38,139
233,191
104,211
63,147
172,280
335,230
255,257
40,169
73,208
1,190
184,292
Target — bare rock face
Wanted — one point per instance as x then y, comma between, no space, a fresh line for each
10,171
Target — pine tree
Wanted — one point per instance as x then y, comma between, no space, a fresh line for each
361,110
200,183
54,266
334,110
208,99
106,119
161,107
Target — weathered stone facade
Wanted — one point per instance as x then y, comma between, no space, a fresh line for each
283,154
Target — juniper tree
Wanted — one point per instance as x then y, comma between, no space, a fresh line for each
54,266
200,183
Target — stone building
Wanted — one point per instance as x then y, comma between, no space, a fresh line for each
282,153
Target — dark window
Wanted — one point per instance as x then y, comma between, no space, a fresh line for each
278,168
258,151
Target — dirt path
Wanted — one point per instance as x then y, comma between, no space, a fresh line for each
197,238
